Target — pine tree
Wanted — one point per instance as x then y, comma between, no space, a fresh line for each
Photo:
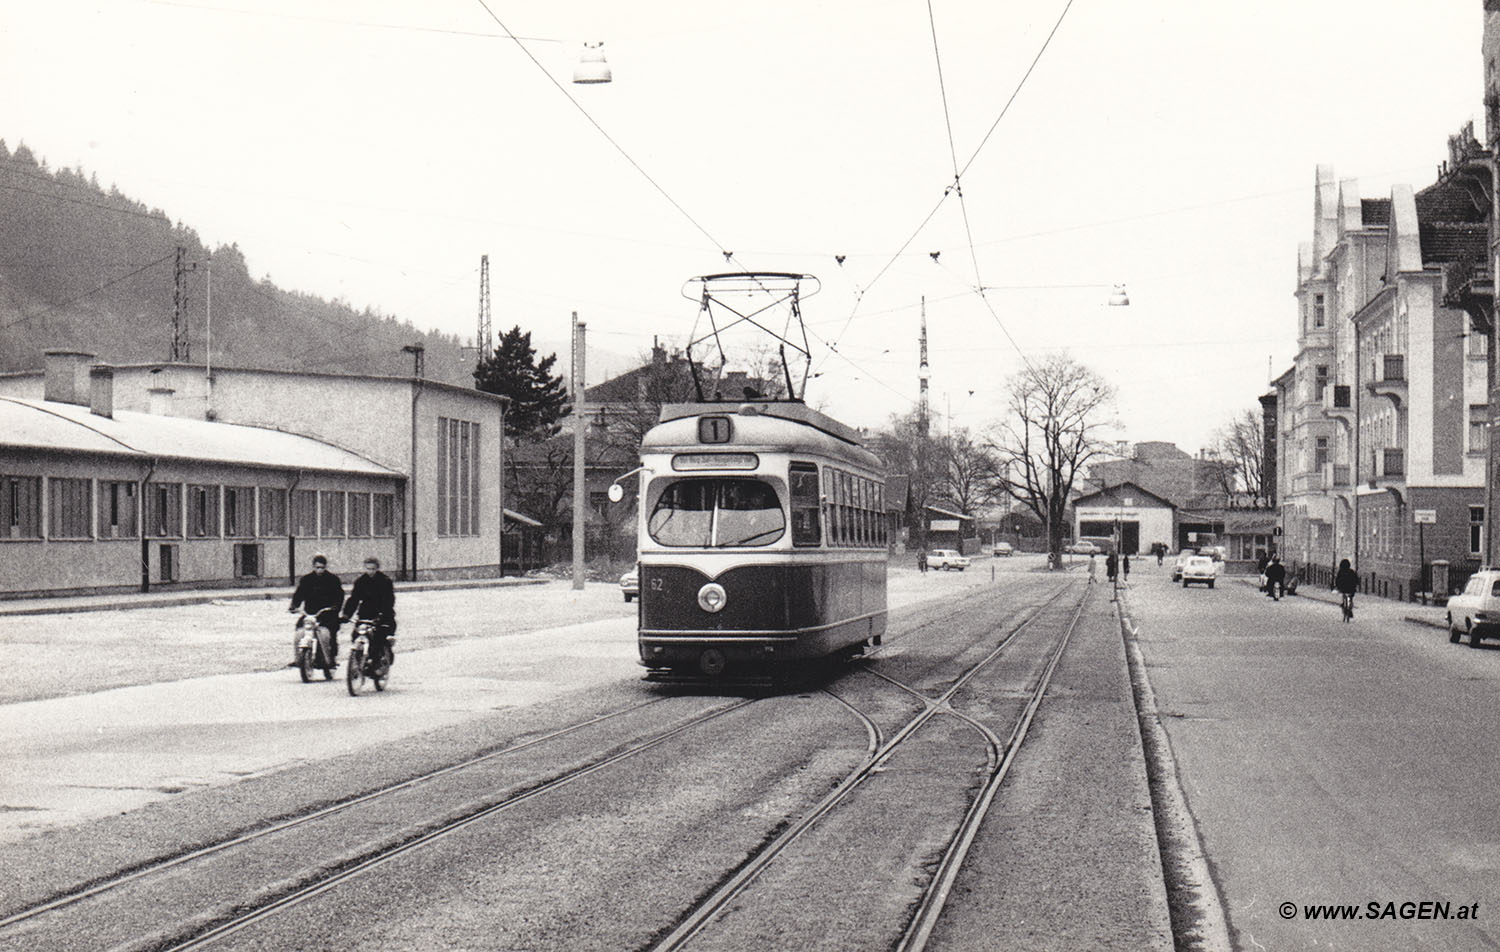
538,399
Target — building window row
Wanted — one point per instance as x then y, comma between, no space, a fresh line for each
83,508
457,478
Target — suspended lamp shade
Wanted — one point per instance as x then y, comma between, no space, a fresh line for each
591,66
1118,298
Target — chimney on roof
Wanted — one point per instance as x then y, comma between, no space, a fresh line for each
102,390
161,400
65,377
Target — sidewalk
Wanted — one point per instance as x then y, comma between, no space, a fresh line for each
121,601
1367,606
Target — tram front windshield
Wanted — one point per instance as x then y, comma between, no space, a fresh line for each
709,512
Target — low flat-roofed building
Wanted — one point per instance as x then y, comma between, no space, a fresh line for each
93,499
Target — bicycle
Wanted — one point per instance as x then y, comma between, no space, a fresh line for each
1346,604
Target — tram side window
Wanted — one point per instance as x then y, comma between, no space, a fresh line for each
806,530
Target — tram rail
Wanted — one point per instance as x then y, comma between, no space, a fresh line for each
1001,755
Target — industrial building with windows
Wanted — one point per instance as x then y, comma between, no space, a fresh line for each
116,478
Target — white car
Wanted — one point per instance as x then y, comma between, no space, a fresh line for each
1084,548
630,584
947,559
1200,568
1180,561
1004,548
1476,610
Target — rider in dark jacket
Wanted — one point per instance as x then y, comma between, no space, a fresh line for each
321,591
374,597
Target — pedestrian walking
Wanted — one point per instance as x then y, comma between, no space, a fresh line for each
1275,578
922,561
1093,569
1111,567
1125,565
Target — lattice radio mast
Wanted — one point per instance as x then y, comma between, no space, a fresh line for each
923,373
484,339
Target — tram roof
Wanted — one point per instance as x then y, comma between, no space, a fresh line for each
756,427
781,409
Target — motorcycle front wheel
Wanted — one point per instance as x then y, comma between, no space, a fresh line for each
383,673
305,664
355,674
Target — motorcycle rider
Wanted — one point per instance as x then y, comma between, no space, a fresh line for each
319,591
373,596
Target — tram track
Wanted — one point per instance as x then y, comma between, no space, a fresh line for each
325,877
263,894
1000,756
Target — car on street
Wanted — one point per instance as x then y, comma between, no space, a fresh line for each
1180,561
1084,547
947,560
1004,548
630,584
1476,610
1200,568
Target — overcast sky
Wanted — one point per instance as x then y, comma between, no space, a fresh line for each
373,151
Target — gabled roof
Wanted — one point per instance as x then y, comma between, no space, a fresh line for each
67,427
950,514
1110,493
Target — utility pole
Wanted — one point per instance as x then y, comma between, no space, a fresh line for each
580,422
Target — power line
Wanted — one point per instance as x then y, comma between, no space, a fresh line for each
124,277
1037,59
607,137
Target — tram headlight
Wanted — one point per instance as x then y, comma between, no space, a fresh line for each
711,597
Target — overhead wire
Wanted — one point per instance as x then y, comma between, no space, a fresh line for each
26,318
958,176
602,131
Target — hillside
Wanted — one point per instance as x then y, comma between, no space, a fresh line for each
82,268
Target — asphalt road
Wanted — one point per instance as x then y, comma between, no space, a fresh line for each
1330,764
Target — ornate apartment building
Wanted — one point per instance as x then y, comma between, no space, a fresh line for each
1384,416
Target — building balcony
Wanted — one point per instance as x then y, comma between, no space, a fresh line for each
1388,465
1336,476
1308,482
1392,382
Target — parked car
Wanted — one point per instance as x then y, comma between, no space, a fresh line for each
630,584
1476,610
1084,547
947,559
1004,548
1180,561
1200,568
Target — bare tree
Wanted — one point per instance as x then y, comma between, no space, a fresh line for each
1240,445
964,470
1051,430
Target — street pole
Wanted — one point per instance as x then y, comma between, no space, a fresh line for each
579,423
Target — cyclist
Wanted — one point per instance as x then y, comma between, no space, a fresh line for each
320,593
1347,583
373,596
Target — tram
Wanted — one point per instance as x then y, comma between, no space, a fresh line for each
762,541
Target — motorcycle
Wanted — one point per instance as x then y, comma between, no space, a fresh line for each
314,646
362,668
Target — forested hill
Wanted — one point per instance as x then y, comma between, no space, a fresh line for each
82,268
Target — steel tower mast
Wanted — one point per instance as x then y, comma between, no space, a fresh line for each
483,339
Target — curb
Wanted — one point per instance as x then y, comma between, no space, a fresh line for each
127,602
